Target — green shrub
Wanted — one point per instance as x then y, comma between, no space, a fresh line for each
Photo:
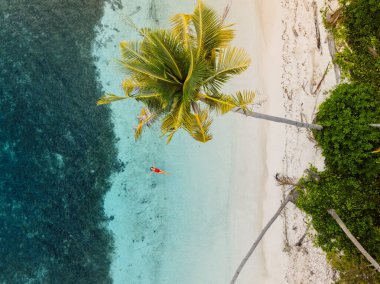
356,202
358,32
353,272
347,139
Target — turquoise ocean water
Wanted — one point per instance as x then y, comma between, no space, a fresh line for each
167,229
77,203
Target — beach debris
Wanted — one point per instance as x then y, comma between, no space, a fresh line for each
299,242
294,31
317,32
322,79
333,18
333,50
283,180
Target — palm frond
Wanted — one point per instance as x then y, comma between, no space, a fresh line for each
146,118
244,99
200,126
219,103
129,85
153,101
179,117
136,60
210,31
231,61
147,70
109,98
181,28
130,51
163,44
197,72
376,150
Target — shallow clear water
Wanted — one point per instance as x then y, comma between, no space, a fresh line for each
167,229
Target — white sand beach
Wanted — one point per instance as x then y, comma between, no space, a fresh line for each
203,224
292,70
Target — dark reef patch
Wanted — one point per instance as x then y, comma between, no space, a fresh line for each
56,147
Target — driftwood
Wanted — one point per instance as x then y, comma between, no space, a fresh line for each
283,180
322,79
333,50
317,32
333,19
299,243
353,239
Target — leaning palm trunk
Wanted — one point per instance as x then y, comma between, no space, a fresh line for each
375,125
279,119
353,239
292,196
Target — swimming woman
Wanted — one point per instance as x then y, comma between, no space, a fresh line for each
158,171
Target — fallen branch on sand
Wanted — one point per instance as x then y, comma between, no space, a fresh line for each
317,32
333,50
322,79
299,243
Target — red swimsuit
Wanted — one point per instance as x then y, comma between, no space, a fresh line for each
156,170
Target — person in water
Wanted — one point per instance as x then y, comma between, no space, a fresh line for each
158,171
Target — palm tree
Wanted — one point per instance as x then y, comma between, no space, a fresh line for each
291,197
341,224
177,74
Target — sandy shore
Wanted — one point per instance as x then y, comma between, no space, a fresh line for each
293,65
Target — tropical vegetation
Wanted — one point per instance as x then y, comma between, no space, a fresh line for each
350,183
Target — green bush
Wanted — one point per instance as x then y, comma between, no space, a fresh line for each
353,272
356,202
359,33
347,139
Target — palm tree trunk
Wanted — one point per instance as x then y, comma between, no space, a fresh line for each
353,239
292,196
375,125
279,119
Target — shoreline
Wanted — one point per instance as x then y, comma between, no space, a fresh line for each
255,149
302,66
145,256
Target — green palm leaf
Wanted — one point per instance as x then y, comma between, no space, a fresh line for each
164,45
109,98
200,126
218,102
129,85
135,60
230,62
182,30
197,72
146,118
179,117
210,31
153,101
244,99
